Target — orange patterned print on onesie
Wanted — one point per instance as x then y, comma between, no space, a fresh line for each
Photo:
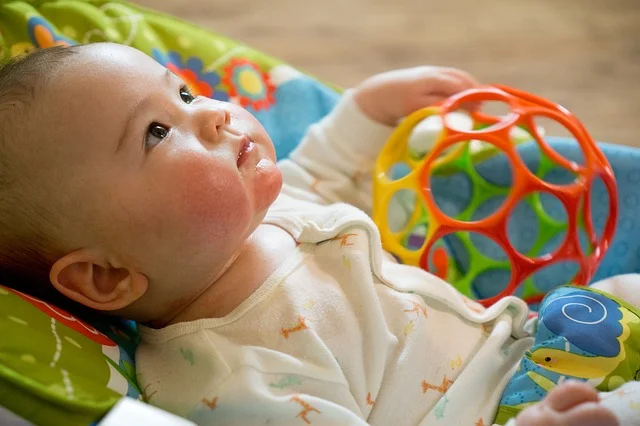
210,403
369,400
442,387
418,309
302,325
344,239
306,409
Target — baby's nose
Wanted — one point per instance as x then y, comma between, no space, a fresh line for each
210,119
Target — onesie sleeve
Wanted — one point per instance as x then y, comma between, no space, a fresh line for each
334,161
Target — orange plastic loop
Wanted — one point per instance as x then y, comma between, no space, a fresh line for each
496,132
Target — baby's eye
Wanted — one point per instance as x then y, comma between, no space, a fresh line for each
185,95
155,134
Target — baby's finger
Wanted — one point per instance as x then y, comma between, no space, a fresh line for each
467,79
569,395
590,414
436,98
444,85
468,82
430,99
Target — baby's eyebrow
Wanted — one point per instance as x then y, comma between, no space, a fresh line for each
168,77
133,113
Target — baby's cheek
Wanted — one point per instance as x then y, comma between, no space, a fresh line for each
211,202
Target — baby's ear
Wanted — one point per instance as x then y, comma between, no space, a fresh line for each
87,277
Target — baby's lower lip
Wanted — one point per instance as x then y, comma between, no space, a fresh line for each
247,148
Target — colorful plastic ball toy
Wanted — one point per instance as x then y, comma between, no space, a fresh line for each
419,226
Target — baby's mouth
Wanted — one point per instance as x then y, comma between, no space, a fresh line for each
246,148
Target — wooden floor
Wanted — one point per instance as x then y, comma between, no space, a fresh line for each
584,54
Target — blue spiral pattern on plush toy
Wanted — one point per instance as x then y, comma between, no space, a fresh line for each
586,319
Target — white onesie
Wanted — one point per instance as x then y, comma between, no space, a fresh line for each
340,334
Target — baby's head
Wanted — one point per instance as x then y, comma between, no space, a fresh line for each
118,186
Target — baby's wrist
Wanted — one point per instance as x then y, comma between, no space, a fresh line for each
375,100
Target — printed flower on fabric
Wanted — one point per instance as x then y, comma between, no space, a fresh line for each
200,81
43,35
248,85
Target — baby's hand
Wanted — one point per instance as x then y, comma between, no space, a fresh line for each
390,96
570,404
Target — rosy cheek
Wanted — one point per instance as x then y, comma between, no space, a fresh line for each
208,199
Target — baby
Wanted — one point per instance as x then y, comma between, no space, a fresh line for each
261,289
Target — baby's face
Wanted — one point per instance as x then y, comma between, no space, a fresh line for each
162,182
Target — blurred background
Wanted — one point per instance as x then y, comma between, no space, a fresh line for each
583,54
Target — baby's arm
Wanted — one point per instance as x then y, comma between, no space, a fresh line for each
334,161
